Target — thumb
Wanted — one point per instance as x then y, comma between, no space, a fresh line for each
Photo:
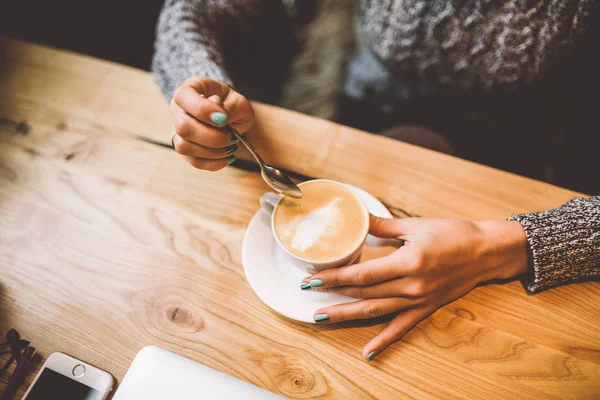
389,228
239,111
216,99
238,108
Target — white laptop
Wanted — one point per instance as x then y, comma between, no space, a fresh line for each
157,374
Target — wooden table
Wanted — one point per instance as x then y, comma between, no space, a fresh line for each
109,243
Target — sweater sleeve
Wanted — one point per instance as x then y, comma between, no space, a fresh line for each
565,243
189,40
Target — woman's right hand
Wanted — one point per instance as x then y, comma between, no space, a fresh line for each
200,108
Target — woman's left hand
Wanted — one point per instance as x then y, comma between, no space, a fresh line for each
440,261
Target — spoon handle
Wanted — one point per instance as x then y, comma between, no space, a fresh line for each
239,137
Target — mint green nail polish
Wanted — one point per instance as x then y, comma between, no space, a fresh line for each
321,318
315,283
231,159
371,355
305,286
234,140
218,118
231,149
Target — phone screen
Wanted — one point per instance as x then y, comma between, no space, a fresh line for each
52,386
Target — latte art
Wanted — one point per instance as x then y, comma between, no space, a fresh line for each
307,230
327,223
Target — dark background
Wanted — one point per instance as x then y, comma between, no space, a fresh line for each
123,31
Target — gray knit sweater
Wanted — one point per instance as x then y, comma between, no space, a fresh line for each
425,47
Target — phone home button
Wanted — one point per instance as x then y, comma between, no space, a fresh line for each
78,370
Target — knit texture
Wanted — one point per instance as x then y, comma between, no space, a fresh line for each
457,46
429,46
187,40
316,72
565,243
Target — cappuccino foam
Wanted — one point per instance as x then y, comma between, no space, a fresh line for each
328,222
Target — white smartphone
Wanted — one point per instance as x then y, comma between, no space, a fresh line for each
66,378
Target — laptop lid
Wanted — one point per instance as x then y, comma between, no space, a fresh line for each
157,374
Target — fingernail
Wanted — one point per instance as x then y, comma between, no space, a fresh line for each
315,283
217,98
231,159
218,118
371,355
321,318
231,149
234,140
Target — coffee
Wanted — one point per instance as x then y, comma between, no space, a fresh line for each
327,223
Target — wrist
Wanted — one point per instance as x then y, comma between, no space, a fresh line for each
504,249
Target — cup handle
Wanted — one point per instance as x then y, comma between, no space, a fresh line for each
269,201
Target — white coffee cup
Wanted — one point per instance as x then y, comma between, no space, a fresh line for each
269,203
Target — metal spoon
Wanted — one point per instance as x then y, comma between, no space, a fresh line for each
276,179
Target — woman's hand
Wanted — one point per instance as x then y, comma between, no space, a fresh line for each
440,261
200,107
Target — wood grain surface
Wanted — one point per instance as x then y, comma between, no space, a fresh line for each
109,243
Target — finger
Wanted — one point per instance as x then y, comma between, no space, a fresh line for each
216,99
187,148
363,309
366,273
391,228
209,165
394,331
208,87
194,131
239,111
402,287
239,108
201,108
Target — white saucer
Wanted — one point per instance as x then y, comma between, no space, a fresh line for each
276,279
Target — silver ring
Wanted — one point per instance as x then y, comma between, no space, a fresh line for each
173,133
